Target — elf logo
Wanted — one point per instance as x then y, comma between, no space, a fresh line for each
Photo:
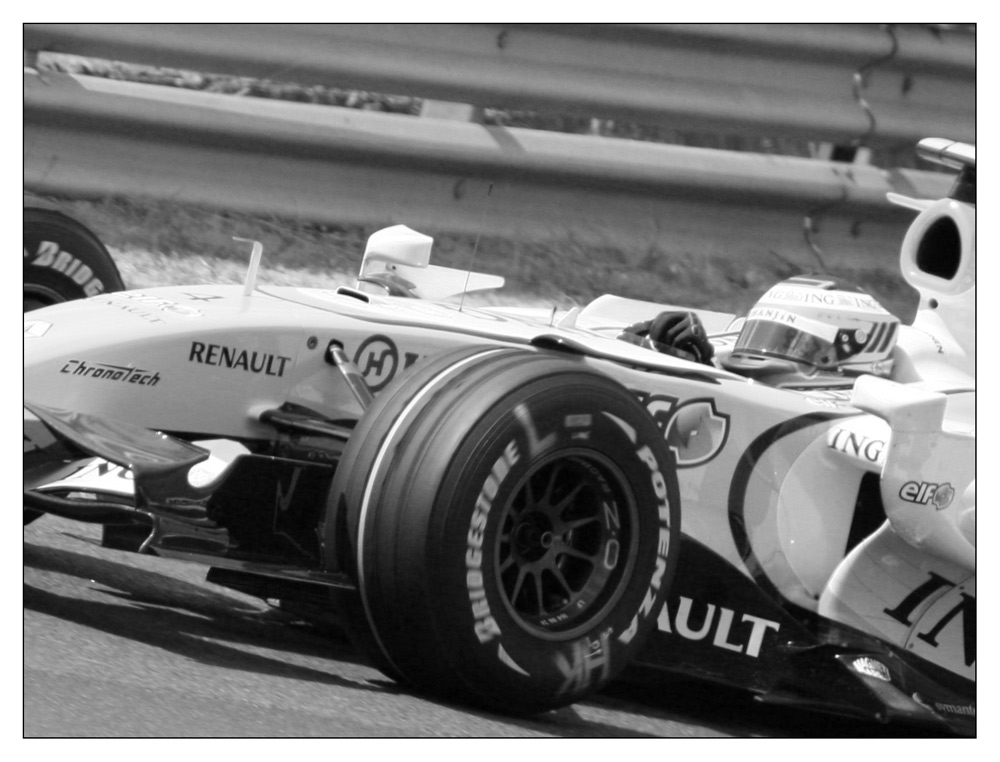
923,493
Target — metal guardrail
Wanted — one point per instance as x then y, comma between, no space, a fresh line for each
92,136
791,80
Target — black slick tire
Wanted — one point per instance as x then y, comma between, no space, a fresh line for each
513,521
63,260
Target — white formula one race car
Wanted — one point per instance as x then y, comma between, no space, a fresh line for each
511,506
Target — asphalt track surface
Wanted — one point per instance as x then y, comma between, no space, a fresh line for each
122,645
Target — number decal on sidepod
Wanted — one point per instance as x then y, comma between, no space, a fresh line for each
695,430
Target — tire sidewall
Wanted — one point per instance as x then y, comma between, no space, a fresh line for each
63,260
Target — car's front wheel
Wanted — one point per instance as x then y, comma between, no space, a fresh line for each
513,520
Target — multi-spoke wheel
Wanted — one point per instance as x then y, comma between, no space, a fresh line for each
512,519
566,544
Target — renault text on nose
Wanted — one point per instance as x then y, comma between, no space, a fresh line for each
242,359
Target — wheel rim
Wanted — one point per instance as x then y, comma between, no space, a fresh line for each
566,545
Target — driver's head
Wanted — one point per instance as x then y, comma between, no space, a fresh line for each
810,331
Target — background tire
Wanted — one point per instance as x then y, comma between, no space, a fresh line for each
63,260
513,520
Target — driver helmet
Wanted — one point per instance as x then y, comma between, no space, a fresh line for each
814,332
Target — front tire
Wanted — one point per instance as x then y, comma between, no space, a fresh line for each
63,260
513,521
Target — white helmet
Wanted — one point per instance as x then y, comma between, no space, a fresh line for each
810,332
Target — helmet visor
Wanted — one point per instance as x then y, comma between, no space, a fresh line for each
783,340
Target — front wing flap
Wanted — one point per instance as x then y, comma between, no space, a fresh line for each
159,463
60,445
256,507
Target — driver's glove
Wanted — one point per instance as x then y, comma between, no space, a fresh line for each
680,334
